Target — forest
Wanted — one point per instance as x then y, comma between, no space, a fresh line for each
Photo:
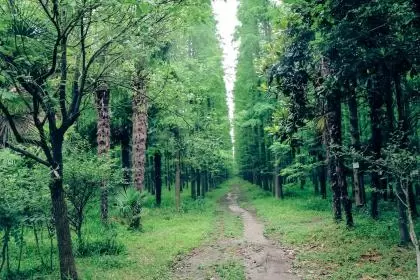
209,139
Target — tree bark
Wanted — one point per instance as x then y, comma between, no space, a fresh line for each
158,177
402,217
178,181
278,186
198,181
103,138
333,124
412,230
322,170
139,131
336,165
193,185
315,181
59,207
375,104
359,191
125,156
203,184
322,174
404,127
206,181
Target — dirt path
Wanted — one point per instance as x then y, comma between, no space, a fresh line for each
261,258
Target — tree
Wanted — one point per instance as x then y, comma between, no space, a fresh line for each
53,67
102,98
139,126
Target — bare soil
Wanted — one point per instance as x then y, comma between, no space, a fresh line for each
261,258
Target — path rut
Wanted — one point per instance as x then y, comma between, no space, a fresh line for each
262,258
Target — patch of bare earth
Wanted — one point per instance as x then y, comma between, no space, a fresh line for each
262,258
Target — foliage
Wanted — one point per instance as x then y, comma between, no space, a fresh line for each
130,204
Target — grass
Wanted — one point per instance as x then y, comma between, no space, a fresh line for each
166,236
230,270
326,250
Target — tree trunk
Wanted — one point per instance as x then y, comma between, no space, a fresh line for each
375,104
359,191
404,127
337,174
322,174
103,138
178,181
402,217
278,186
322,170
139,131
125,156
198,181
193,185
59,207
203,184
315,181
386,86
206,181
158,177
412,230
333,126
412,200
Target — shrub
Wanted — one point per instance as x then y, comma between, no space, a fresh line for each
130,204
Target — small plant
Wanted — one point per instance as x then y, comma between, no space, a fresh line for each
130,205
230,270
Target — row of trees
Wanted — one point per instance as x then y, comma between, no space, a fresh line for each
140,81
327,92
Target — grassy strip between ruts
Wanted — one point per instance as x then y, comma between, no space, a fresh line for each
326,250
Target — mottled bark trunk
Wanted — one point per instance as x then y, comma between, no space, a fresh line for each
158,177
139,131
103,139
359,191
333,124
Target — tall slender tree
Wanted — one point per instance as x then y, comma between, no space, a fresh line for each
102,97
140,124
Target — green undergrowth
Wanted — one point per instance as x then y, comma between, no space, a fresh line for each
165,237
119,253
326,250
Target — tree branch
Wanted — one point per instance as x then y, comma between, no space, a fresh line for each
27,154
